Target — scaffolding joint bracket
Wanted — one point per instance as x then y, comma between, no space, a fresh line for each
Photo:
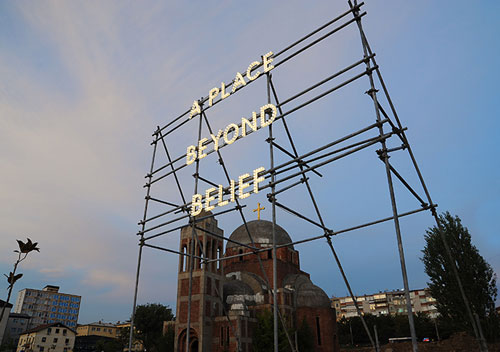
271,198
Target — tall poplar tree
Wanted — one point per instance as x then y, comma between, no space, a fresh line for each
477,276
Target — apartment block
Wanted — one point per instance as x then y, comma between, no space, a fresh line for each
48,306
384,303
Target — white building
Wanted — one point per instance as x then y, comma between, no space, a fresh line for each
384,303
54,337
48,306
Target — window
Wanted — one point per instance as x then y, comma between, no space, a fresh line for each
318,331
64,332
222,336
49,330
93,329
66,341
55,339
44,339
65,349
240,252
57,331
41,348
98,329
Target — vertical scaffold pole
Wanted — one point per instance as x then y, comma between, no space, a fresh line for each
385,157
141,244
273,202
193,240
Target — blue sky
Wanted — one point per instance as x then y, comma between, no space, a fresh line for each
84,84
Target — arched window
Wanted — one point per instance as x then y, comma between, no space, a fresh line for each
240,252
208,254
187,258
200,254
219,256
182,266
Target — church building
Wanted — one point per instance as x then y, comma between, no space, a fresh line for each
242,283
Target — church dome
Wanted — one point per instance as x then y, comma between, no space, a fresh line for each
310,295
262,233
307,293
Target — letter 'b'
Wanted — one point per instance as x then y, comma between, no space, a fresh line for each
196,205
191,155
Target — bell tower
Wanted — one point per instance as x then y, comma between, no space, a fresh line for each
200,239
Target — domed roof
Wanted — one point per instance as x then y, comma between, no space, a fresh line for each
310,295
262,233
307,294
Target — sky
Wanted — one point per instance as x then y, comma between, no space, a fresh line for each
85,84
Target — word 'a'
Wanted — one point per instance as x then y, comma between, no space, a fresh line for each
239,81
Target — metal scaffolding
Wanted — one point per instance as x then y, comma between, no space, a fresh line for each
288,175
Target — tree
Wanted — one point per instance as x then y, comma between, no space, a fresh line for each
477,276
148,323
22,253
109,345
305,337
263,336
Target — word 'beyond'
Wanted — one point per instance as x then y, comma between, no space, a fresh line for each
231,133
211,194
239,81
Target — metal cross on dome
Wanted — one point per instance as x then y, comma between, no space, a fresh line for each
258,210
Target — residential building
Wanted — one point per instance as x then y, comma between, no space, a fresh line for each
6,307
384,303
55,337
17,324
48,306
98,329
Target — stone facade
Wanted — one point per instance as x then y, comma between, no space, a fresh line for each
228,325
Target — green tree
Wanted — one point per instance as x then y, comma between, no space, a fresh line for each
263,337
109,345
477,276
305,337
148,323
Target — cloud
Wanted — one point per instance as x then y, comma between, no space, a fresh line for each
53,273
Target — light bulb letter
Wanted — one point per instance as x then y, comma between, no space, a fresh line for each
196,205
249,71
252,125
221,202
257,179
242,185
201,148
228,129
216,139
238,81
209,198
266,61
263,110
190,155
223,94
195,109
212,95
